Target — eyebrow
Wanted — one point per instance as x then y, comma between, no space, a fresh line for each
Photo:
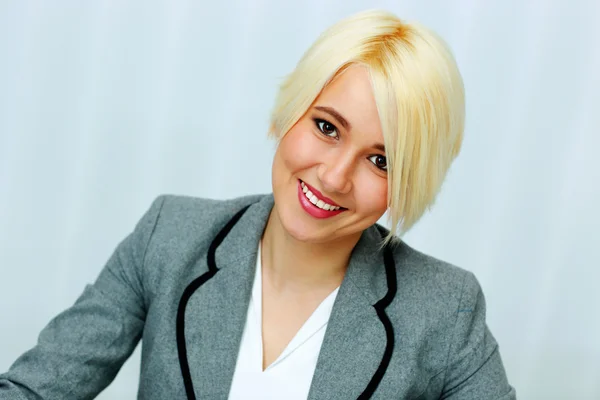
336,115
379,146
345,123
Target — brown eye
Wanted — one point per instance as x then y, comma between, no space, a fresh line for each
379,161
327,128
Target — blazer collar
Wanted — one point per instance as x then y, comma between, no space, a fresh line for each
356,341
365,271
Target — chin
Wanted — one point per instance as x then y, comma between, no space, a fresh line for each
300,230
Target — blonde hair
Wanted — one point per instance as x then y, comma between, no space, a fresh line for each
419,95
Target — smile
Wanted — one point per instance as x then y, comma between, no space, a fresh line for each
316,200
315,204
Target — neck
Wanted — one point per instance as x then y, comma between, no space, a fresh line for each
295,266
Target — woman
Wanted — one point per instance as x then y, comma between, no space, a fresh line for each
298,294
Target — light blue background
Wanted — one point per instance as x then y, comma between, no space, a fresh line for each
106,104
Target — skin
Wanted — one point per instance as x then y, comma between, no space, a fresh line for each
305,258
303,254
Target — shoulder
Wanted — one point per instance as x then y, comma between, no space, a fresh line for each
182,211
174,219
430,274
431,288
184,220
177,229
178,206
203,204
439,310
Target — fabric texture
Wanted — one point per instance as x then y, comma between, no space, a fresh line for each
442,347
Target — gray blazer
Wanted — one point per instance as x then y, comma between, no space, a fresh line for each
404,325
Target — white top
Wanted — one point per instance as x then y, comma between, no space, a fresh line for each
289,377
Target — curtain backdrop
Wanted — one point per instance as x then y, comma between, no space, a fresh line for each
106,104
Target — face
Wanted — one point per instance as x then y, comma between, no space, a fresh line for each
333,157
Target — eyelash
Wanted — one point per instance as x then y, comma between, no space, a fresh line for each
320,123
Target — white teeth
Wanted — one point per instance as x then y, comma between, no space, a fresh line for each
315,200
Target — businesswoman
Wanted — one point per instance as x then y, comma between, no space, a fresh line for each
299,293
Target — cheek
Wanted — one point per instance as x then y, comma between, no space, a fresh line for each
297,149
373,195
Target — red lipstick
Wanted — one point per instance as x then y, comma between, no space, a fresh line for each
312,209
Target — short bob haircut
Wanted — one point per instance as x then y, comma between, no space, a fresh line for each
419,95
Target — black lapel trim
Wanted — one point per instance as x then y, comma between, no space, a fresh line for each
185,297
380,306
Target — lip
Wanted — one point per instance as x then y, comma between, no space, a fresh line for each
320,195
312,209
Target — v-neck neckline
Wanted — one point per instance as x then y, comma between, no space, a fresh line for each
315,322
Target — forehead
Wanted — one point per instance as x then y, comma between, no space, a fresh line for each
351,95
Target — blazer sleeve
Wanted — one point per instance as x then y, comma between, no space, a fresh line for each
474,370
81,350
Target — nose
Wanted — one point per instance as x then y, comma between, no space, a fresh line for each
335,173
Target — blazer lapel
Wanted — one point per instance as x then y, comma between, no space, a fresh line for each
355,339
216,312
